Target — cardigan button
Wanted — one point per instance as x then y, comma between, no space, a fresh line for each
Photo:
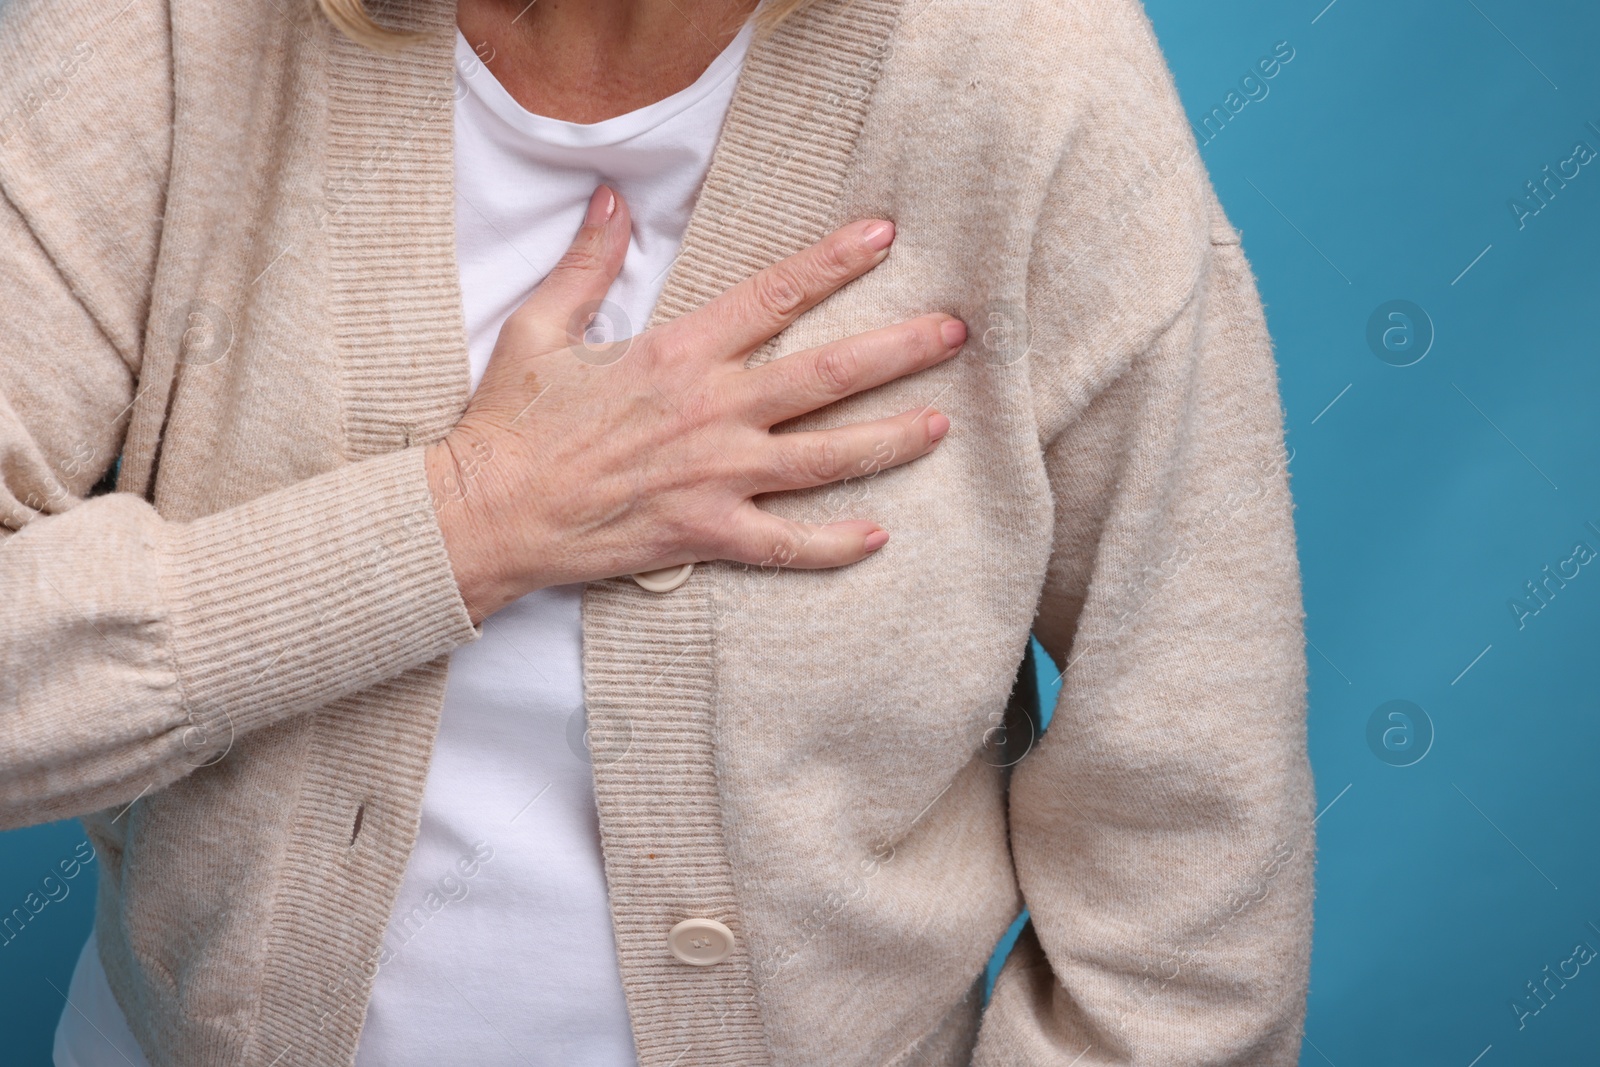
666,579
701,942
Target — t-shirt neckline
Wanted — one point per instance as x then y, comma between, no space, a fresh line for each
482,84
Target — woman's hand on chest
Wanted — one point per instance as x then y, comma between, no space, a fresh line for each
577,461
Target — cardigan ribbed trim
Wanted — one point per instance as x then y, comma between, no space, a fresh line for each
395,302
648,660
395,287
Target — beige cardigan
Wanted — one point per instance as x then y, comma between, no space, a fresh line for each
227,255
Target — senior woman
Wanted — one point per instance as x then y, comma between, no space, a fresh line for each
465,642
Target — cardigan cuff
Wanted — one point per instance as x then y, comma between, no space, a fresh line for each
308,594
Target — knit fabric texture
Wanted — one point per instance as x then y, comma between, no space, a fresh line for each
226,256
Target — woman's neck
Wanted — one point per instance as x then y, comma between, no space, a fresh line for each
590,60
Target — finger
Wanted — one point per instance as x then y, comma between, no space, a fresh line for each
560,308
804,381
819,457
745,316
764,540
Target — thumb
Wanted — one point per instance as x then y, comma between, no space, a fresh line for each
559,309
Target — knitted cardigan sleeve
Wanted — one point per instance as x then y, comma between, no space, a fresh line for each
134,649
1162,830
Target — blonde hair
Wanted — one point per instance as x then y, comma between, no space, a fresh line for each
352,18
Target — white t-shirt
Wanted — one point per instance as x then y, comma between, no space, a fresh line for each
500,950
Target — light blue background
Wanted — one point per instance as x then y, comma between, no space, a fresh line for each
1428,495
1378,167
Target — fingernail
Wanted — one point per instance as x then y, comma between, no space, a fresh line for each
876,540
878,236
938,426
954,332
602,205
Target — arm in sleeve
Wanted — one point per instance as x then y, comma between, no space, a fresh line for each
1162,830
133,649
